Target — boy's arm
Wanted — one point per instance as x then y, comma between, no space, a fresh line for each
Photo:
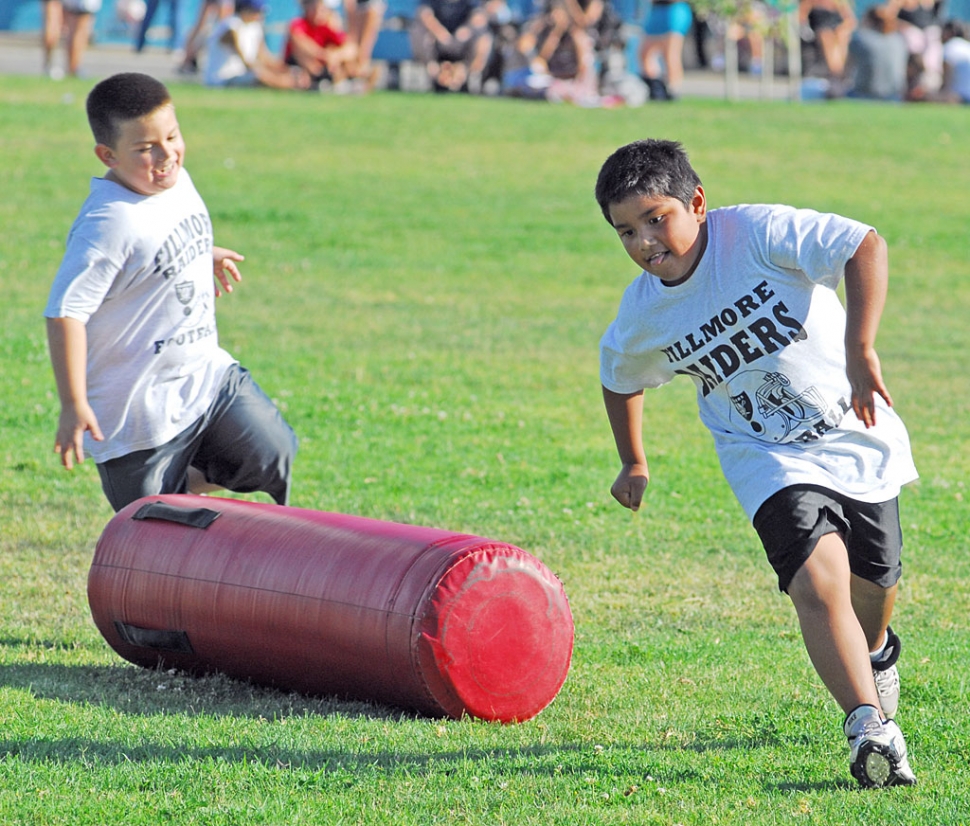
866,284
625,411
67,339
224,266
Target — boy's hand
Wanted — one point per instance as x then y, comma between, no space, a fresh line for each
865,377
71,427
630,485
224,266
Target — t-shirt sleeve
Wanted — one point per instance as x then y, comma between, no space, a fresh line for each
818,244
86,274
628,355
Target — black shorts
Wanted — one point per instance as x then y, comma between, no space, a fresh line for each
822,19
241,443
791,522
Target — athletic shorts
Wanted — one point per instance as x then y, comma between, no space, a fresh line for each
241,443
791,522
668,18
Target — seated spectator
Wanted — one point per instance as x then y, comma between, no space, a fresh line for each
831,23
451,38
318,44
364,20
956,62
553,60
504,25
878,58
210,13
238,55
920,25
585,15
598,21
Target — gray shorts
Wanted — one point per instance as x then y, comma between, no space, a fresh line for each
791,522
242,443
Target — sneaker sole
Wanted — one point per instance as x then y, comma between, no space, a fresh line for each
875,768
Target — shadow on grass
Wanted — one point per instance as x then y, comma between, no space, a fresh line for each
547,760
133,690
533,760
818,786
136,691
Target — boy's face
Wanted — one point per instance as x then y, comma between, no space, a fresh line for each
661,235
148,154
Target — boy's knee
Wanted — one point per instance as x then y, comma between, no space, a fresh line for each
824,576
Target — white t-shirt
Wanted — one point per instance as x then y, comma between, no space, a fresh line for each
224,64
956,53
760,330
138,273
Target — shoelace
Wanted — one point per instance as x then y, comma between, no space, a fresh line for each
870,726
885,680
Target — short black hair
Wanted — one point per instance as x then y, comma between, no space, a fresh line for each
655,168
123,97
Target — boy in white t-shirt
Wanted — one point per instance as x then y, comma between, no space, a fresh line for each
742,300
144,387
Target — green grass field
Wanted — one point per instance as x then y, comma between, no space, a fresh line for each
425,286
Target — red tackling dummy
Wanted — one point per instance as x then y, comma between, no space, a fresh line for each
323,603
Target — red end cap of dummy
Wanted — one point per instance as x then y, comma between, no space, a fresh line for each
497,639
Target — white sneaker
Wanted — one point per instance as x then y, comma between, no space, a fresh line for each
886,676
878,750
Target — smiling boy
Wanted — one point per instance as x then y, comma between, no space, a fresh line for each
742,301
144,387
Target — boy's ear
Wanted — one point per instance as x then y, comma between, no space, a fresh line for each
106,155
698,204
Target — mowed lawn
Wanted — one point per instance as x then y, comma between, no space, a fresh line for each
425,284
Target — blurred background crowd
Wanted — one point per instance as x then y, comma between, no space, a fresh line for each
587,52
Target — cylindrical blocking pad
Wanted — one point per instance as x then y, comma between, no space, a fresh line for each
323,603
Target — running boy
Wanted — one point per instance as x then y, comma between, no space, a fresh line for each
742,300
143,384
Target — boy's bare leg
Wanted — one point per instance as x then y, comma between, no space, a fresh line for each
198,484
873,606
822,595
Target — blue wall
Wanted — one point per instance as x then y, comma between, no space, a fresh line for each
25,15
